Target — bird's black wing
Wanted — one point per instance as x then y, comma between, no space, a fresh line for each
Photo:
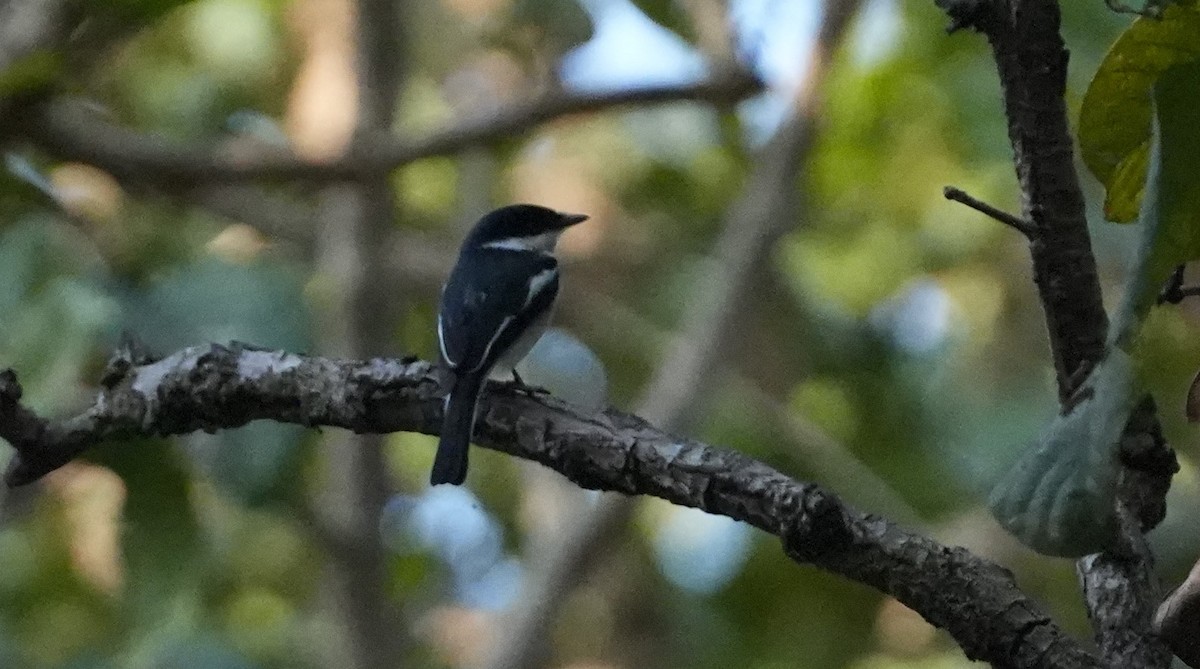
492,296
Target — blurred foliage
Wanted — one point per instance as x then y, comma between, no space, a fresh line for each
901,328
30,73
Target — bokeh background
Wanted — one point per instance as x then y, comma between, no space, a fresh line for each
886,343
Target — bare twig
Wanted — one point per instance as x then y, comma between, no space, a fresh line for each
1175,292
1020,225
69,130
215,387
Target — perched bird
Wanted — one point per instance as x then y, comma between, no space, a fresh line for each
494,307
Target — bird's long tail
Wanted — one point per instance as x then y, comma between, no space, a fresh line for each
450,463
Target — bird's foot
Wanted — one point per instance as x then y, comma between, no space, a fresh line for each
518,385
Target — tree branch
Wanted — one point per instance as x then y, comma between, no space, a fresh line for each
70,130
217,387
1032,62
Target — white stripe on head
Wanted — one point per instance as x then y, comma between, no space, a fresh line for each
543,243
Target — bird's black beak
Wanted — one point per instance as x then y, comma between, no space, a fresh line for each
572,219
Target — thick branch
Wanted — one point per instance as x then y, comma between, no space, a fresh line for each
72,131
1032,62
216,387
1120,586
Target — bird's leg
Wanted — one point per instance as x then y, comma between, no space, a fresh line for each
518,385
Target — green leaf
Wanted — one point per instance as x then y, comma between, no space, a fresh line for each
1170,209
1114,121
1059,496
1127,184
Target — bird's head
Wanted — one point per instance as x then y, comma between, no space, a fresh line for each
522,227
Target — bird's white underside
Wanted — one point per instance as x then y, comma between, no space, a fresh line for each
521,347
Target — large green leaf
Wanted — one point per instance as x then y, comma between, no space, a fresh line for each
1059,496
1170,210
1114,121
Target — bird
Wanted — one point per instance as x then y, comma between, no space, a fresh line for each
494,307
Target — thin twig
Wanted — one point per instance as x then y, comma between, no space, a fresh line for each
70,130
1189,291
1032,62
1175,292
1019,224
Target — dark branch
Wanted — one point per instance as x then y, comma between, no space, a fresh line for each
72,131
218,387
1020,225
1175,292
1032,62
1119,585
1172,292
975,14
